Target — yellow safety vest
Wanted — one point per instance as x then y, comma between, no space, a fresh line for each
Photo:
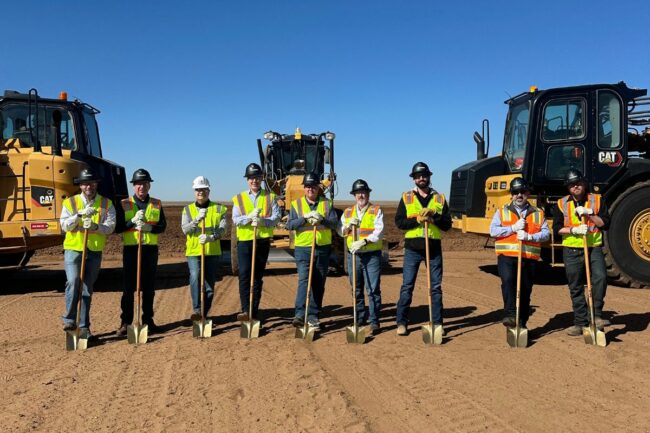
212,219
366,227
151,216
509,245
243,202
304,233
74,239
568,208
413,208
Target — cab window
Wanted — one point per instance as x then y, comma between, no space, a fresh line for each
563,120
16,120
609,120
561,159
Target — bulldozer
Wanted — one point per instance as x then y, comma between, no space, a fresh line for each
45,144
285,159
603,130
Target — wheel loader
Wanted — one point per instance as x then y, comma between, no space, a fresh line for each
603,130
285,160
45,144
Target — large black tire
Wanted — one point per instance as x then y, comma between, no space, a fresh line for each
234,262
627,242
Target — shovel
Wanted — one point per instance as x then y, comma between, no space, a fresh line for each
518,336
307,331
591,333
75,339
202,328
137,334
251,328
431,334
355,333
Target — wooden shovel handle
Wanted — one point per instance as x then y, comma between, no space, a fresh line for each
82,274
252,283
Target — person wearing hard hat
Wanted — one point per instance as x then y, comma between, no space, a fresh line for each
416,206
312,210
578,215
514,222
368,222
85,211
253,208
144,218
203,211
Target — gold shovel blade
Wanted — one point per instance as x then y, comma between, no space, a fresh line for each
517,337
202,328
75,340
306,334
594,336
432,334
137,334
250,329
356,334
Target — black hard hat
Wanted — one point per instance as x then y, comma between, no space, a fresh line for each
518,184
420,168
360,185
253,170
573,176
311,179
141,175
87,175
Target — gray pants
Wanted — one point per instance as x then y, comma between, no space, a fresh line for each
574,264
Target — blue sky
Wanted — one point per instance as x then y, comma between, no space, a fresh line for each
187,89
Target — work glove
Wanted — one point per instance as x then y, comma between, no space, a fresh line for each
139,217
357,245
427,212
314,217
523,236
205,238
584,211
254,213
519,225
580,230
202,213
255,221
87,223
143,227
354,221
422,219
88,211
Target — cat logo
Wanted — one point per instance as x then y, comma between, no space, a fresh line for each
46,199
611,158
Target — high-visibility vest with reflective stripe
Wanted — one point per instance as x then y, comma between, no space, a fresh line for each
304,233
74,239
568,208
366,227
509,245
151,216
413,208
243,202
212,219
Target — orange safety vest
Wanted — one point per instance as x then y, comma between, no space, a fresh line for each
509,245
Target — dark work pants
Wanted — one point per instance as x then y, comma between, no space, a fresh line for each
508,273
574,264
244,258
147,281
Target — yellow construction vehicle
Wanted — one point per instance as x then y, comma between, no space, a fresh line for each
603,130
285,160
45,144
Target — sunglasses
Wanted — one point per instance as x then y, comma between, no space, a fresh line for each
420,176
201,190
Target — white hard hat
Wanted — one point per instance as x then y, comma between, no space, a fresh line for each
200,182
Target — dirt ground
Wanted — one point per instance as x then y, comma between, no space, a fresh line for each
472,383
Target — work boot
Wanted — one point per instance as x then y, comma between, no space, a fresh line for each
314,324
509,322
195,317
601,323
298,322
153,328
242,317
69,327
374,328
85,333
402,330
574,331
121,332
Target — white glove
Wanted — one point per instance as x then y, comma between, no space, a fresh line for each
88,211
202,213
255,221
203,239
87,223
139,216
143,227
580,230
254,213
314,215
523,236
582,211
519,225
354,221
357,245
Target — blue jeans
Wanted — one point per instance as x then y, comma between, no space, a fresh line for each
412,259
244,258
194,264
574,265
368,273
72,264
319,274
